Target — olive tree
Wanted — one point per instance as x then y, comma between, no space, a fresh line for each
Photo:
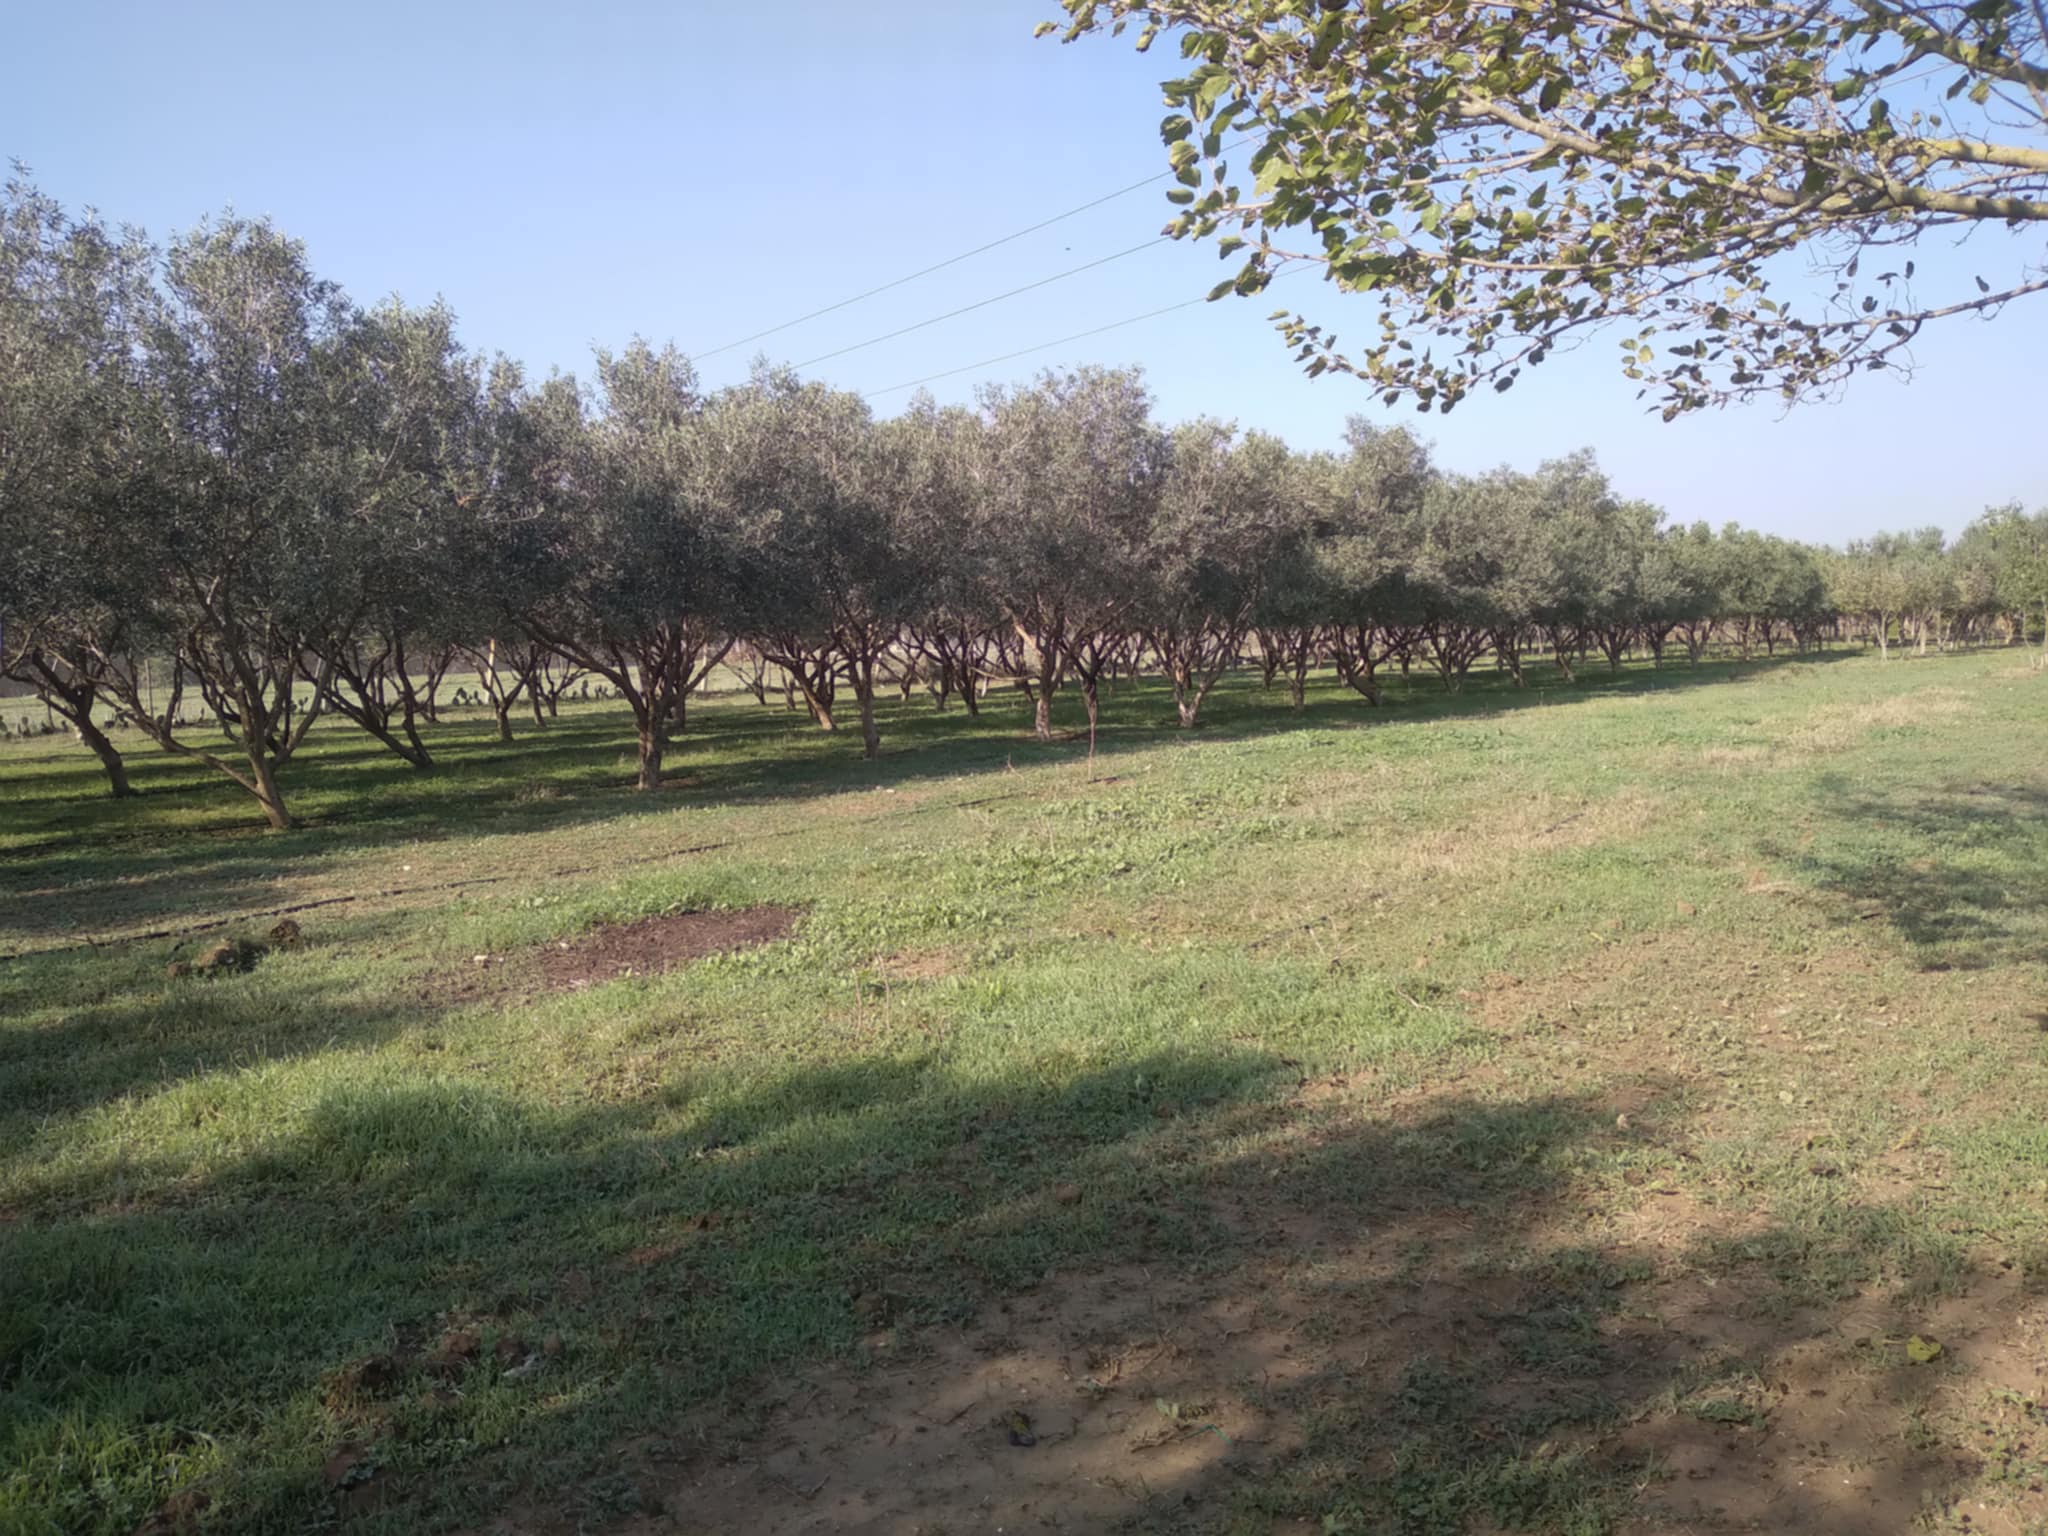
74,298
1600,557
1220,519
2006,552
1480,573
935,456
1771,588
1918,568
798,470
1295,599
1067,470
1679,592
1700,580
1366,511
508,532
407,556
265,450
629,571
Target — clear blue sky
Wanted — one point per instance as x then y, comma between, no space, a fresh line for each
569,175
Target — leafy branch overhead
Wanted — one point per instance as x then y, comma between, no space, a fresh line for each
1507,175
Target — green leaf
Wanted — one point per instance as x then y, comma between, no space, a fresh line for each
1210,82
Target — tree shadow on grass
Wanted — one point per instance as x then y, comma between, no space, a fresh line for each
712,755
468,1301
121,1025
97,870
1960,871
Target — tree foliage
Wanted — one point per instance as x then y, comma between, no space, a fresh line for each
318,506
76,300
1504,176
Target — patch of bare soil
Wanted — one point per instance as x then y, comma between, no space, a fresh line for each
1071,1408
656,944
1108,1399
1131,1397
1832,1426
608,952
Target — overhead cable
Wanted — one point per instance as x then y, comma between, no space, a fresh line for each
1114,325
940,266
990,362
1086,266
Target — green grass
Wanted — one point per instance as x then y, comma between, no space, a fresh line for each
1788,919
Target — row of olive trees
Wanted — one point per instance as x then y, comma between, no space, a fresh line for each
1919,589
222,483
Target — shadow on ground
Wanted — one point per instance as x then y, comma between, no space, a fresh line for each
1959,870
1218,1296
100,865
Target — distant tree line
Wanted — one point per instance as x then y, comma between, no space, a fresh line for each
1918,589
224,484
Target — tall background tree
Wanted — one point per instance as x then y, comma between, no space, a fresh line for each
1067,472
1227,506
75,302
638,571
269,446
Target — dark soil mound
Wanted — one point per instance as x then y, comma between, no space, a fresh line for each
655,944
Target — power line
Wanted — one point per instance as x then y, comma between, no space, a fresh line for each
940,266
990,362
1086,266
1114,325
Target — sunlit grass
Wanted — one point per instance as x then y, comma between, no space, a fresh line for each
1040,1011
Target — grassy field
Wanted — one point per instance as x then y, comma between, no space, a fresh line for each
1611,1108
